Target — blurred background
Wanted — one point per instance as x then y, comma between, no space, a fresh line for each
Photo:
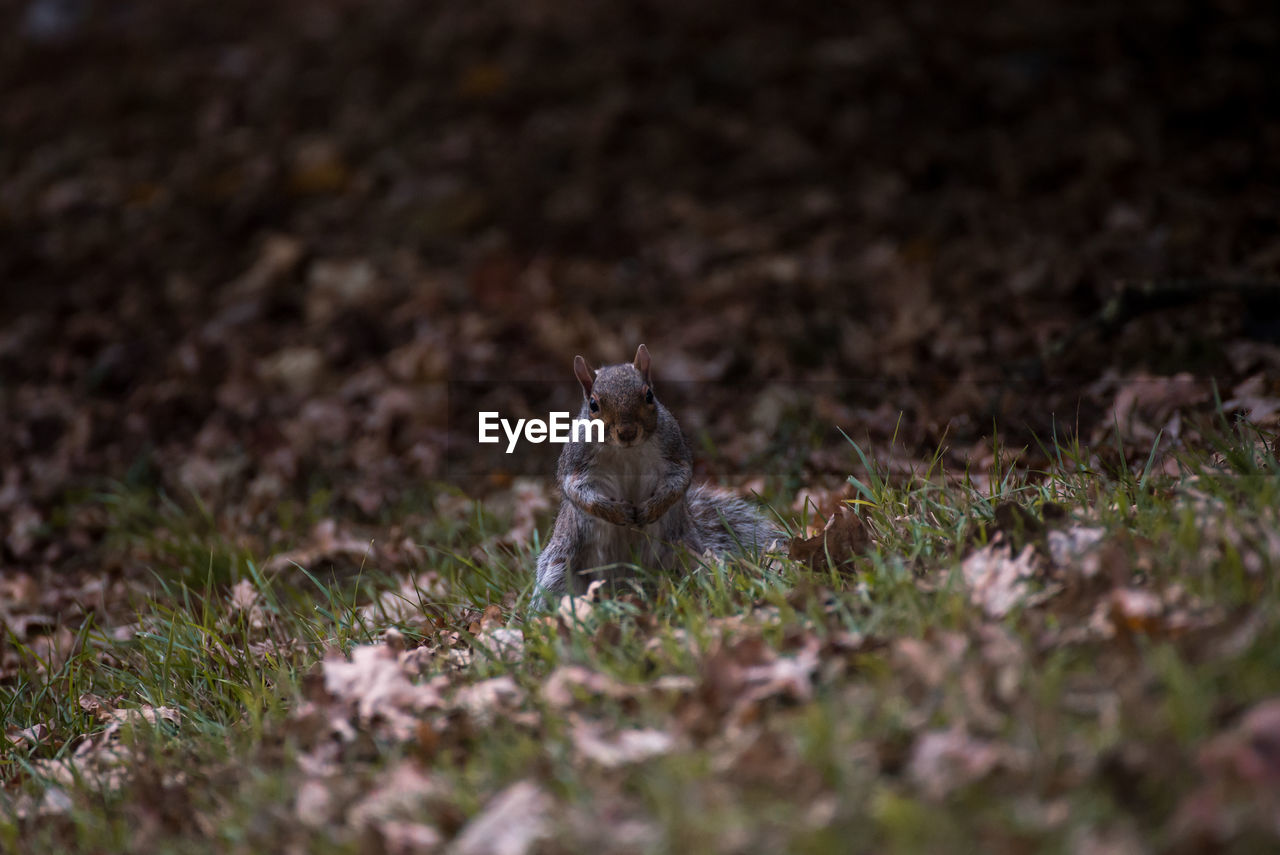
253,253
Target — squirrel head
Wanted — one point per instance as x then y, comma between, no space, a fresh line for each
622,397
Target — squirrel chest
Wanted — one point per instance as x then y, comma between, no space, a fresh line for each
631,475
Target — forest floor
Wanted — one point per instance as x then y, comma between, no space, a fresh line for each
979,300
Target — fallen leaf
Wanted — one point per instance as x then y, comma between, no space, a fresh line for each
33,735
298,369
621,748
487,699
313,803
999,583
53,801
1076,548
403,795
245,599
1257,397
326,542
377,688
503,644
575,609
1146,405
511,823
930,660
318,168
841,540
1019,527
482,80
531,500
1239,785
942,761
405,603
569,683
1136,610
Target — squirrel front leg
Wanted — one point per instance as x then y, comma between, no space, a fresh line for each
558,561
589,500
675,484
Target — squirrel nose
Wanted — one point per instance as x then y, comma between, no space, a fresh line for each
626,433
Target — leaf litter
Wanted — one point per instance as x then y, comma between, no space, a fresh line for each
176,404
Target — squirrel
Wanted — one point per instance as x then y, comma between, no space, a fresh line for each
628,500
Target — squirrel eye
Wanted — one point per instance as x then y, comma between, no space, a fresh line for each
595,405
648,396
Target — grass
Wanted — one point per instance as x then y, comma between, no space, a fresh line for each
1088,738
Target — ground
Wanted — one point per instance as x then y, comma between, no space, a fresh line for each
980,300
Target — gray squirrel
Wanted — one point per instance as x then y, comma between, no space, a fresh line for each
628,500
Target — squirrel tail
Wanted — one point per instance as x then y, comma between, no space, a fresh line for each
727,524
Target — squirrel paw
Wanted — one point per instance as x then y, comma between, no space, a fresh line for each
617,512
646,513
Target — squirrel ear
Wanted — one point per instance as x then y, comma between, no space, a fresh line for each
583,372
642,362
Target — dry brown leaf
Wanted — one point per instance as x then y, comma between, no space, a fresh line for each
33,735
759,755
52,650
1006,659
93,705
101,758
511,823
531,500
1136,610
337,284
400,837
611,823
790,677
297,369
243,596
821,501
575,609
23,526
620,748
503,644
146,713
1121,840
326,543
376,687
245,599
1251,752
568,682
1257,397
404,604
18,590
944,760
395,808
930,660
1075,548
1147,405
313,803
1018,526
1239,787
487,699
54,801
27,626
999,583
842,539
739,676
490,618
